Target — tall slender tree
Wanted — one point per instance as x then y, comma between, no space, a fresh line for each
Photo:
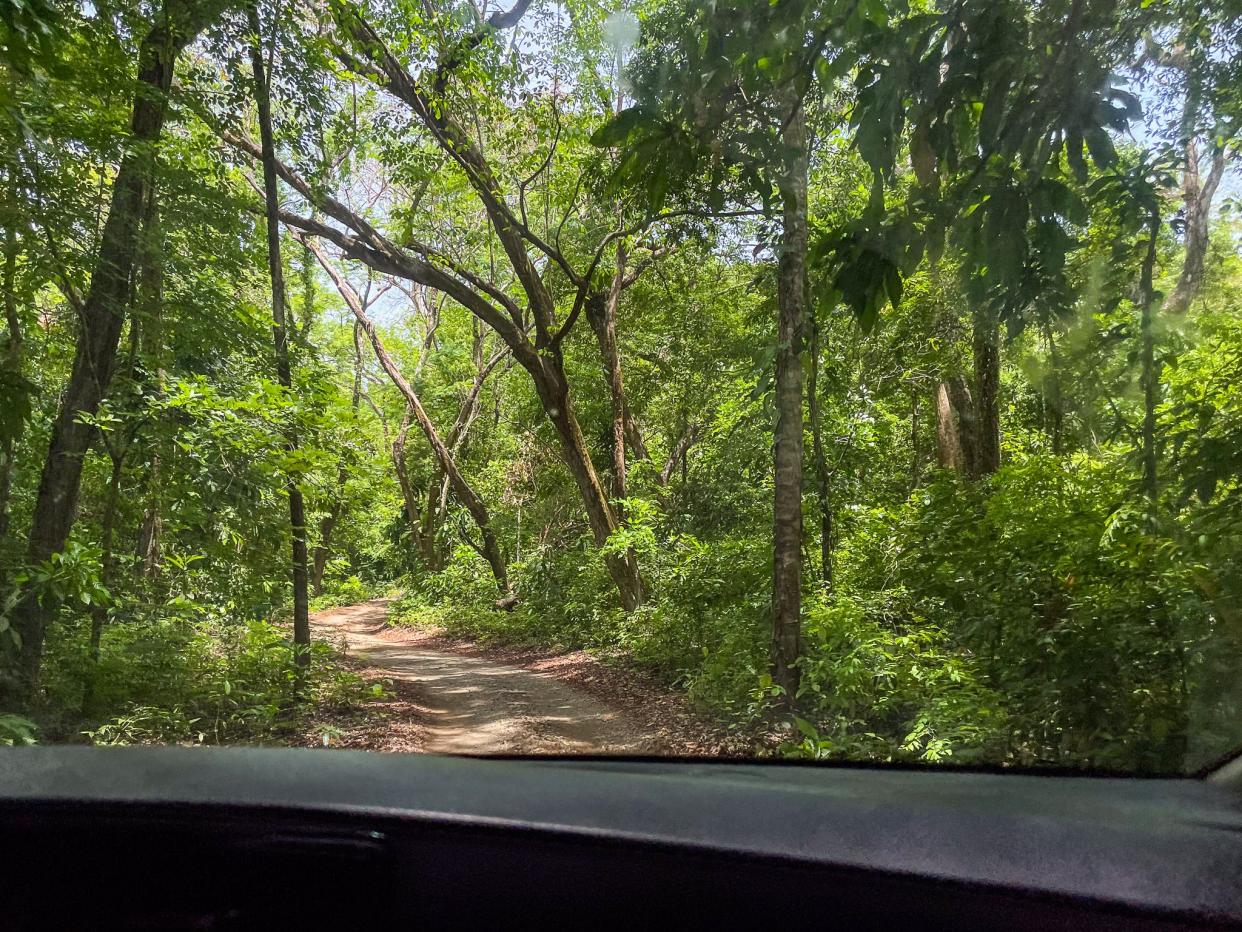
280,334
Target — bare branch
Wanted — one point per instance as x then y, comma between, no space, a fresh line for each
679,451
391,75
584,286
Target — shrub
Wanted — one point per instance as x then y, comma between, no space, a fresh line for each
877,677
206,680
16,730
347,591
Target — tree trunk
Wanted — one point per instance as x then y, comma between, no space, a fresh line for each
469,409
280,338
553,390
822,479
677,455
101,319
148,550
1150,373
428,532
152,334
602,315
787,497
1197,194
956,444
465,494
323,550
403,475
985,340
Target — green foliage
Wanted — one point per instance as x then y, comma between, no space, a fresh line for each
987,183
1049,585
70,576
880,682
15,407
16,730
29,30
193,679
348,591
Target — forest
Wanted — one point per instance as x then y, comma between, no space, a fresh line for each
869,372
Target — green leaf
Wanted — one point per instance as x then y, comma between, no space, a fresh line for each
807,729
993,113
620,128
1073,155
1101,147
893,285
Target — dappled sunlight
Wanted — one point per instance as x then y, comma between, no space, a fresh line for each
475,706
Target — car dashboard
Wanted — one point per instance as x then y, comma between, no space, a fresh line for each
186,838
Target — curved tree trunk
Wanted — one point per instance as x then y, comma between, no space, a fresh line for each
601,312
677,455
465,494
553,391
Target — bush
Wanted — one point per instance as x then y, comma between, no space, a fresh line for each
205,680
879,682
337,592
1056,593
16,730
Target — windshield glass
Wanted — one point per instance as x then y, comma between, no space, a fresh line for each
818,379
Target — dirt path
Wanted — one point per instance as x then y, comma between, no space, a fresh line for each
477,706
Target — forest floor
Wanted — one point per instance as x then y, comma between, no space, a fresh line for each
451,696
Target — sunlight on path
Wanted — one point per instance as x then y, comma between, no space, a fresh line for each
480,707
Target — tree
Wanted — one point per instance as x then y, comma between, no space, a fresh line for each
995,105
280,336
489,549
728,95
364,52
103,313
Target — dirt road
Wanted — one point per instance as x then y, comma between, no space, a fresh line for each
477,706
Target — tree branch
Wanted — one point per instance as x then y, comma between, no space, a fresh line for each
388,73
584,286
679,451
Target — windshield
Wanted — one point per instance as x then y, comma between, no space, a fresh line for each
840,380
